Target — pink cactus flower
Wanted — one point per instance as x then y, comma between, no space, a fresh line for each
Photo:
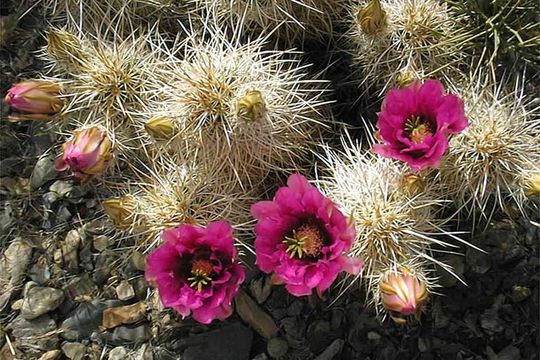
196,270
402,294
415,122
302,238
34,100
87,153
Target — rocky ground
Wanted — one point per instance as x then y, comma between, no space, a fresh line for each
67,291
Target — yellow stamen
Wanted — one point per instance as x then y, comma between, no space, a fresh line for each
201,270
417,129
306,240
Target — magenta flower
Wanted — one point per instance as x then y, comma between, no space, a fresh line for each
196,270
415,122
34,100
87,153
302,237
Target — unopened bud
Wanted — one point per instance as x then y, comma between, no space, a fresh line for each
251,106
160,128
412,184
87,153
532,185
67,49
372,18
120,210
402,294
34,100
405,78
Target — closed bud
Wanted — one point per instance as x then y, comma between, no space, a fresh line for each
532,185
120,210
34,100
251,106
87,153
67,49
405,78
402,294
160,128
412,184
372,18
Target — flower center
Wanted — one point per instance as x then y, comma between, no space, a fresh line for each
305,240
417,129
201,270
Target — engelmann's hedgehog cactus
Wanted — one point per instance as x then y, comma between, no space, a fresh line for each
393,41
395,213
493,162
255,110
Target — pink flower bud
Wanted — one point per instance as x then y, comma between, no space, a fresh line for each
87,153
34,100
403,293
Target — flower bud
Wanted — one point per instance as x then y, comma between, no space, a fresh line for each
372,18
412,184
405,78
532,185
67,49
120,210
160,128
34,100
402,294
87,153
251,106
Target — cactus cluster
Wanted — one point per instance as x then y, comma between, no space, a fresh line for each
183,115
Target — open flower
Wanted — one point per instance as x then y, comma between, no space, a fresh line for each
196,270
87,153
414,123
302,237
34,100
402,294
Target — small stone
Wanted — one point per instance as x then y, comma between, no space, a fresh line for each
520,293
40,300
261,288
17,305
43,172
125,291
103,267
39,272
13,264
7,218
139,260
489,320
80,288
478,262
85,319
140,285
34,336
101,242
29,285
232,342
252,314
295,309
70,250
61,188
277,348
74,350
118,353
124,335
509,353
122,315
457,263
332,351
51,355
373,336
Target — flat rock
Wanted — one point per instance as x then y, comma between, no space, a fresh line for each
125,335
125,291
85,319
74,350
277,348
232,342
118,353
51,355
40,300
13,264
332,351
252,314
34,336
43,172
129,314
